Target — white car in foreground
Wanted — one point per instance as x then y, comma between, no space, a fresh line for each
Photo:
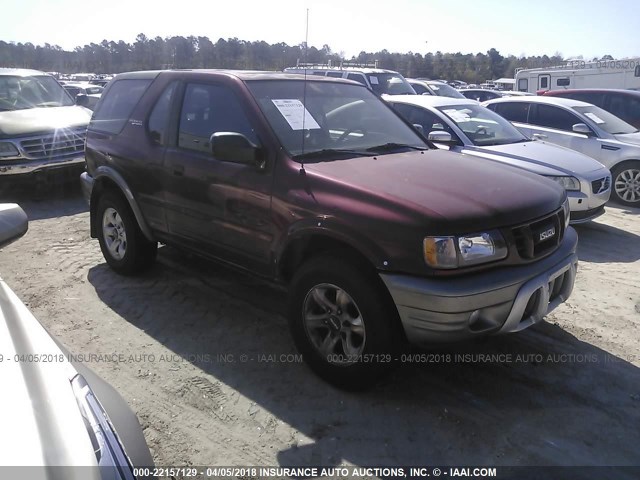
57,416
585,128
465,126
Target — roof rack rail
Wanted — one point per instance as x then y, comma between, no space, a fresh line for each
342,64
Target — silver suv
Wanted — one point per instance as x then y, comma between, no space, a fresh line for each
378,80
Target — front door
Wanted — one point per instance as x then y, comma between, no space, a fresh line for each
544,82
219,206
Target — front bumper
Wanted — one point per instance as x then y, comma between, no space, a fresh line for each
499,301
585,207
25,167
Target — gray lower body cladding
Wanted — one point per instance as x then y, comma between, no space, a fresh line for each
499,301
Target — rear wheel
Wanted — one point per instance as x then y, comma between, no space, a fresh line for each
626,184
124,246
343,322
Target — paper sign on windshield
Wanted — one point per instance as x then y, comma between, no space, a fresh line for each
373,80
457,116
594,117
295,113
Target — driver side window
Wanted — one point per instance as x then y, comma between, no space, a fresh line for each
554,117
207,109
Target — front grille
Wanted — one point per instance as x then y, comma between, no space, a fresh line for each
601,185
54,145
539,238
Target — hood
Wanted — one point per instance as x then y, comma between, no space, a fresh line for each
632,138
539,157
17,123
450,192
39,407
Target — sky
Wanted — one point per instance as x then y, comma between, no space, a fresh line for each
591,28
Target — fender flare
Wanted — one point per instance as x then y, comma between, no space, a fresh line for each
328,227
105,172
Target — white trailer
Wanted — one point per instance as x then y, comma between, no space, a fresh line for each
580,74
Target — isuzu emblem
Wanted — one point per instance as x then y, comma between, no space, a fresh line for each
547,234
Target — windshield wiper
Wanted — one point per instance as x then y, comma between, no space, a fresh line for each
331,152
386,147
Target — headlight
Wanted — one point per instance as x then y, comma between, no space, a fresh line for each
110,454
567,213
8,150
569,183
463,251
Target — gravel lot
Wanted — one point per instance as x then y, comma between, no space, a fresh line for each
207,363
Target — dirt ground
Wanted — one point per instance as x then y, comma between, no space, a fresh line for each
212,374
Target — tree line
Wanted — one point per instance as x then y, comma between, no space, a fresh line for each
146,53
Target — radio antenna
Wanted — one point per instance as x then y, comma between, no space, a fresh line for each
304,91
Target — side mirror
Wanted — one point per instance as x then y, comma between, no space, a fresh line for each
440,136
13,223
581,128
418,127
235,147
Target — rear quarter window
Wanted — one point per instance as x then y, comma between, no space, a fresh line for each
358,78
117,104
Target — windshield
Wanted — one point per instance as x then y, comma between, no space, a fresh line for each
605,120
20,93
332,118
390,83
444,90
482,126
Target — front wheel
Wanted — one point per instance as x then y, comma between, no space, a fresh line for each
626,184
123,244
343,322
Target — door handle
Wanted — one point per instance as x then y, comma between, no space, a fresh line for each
178,170
539,136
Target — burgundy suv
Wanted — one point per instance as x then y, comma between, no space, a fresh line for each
319,185
624,104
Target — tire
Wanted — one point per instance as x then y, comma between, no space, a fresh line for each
124,246
362,335
625,188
